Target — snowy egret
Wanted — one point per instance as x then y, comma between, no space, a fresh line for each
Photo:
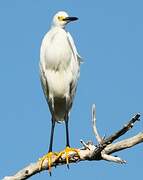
59,72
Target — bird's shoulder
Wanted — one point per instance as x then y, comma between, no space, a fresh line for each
53,37
73,47
54,32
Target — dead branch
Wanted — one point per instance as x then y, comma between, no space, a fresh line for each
89,151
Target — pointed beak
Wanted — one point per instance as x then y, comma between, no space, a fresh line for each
68,19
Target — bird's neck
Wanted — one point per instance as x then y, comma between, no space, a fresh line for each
58,26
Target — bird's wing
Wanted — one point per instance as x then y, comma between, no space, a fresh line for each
44,82
73,47
77,62
42,66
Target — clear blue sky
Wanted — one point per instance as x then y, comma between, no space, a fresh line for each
109,36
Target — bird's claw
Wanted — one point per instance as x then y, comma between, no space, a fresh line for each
47,157
67,152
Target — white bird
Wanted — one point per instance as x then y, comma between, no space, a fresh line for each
59,72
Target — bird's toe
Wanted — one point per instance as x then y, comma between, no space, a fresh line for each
66,154
50,157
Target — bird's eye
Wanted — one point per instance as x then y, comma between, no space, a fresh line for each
60,18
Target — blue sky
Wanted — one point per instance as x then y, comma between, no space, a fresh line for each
109,37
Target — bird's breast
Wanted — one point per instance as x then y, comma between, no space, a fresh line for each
59,82
58,63
58,53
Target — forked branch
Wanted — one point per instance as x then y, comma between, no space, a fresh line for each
89,151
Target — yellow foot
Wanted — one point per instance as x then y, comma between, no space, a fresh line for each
67,152
47,157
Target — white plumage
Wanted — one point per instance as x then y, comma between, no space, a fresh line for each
59,72
59,67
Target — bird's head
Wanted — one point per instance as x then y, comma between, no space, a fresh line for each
61,18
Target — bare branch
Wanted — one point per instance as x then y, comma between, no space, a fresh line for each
88,152
84,144
98,137
123,130
112,158
124,144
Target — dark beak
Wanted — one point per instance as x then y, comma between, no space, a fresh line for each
70,19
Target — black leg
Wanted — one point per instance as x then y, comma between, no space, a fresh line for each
52,134
67,130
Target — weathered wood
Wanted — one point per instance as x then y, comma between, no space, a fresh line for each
89,151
